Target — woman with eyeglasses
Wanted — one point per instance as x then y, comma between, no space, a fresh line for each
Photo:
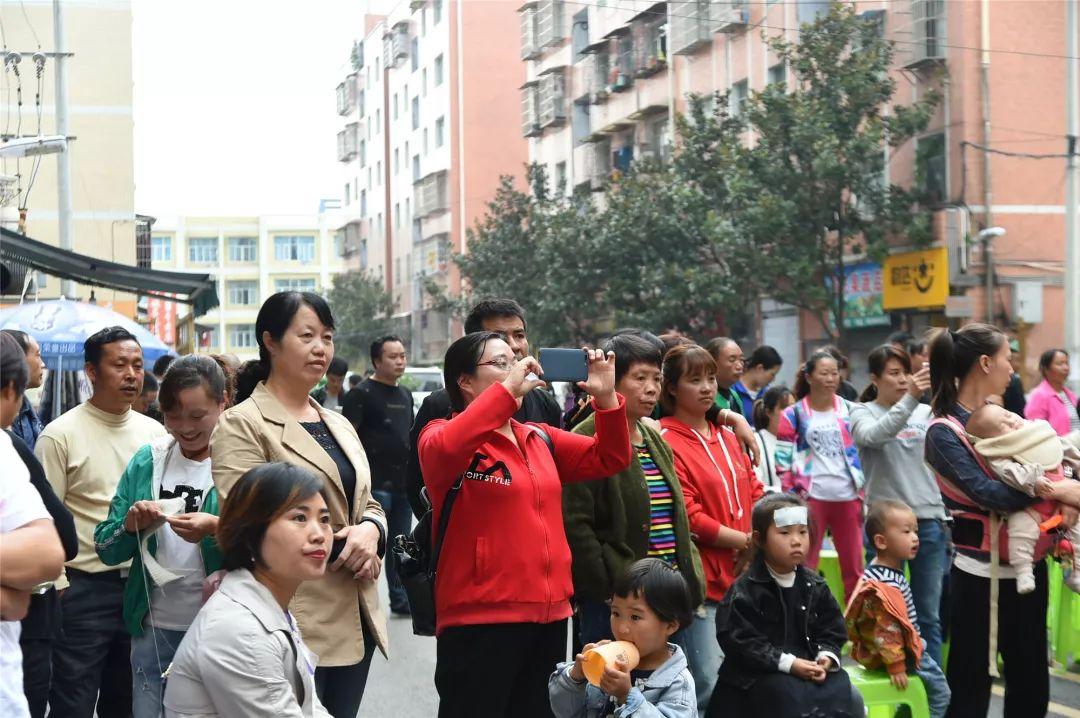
503,586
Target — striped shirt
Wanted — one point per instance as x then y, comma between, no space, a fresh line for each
661,527
896,579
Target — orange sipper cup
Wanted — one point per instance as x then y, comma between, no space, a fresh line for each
597,659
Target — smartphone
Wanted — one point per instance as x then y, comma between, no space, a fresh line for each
564,365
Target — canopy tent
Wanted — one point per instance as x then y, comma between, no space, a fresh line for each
17,251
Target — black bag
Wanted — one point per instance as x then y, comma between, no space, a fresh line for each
416,558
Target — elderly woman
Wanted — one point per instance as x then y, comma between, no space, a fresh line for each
1052,400
243,654
503,586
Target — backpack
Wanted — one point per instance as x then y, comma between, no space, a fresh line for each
416,557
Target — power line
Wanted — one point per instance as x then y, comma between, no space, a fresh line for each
29,24
1021,155
650,11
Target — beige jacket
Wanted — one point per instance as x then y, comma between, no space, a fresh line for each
260,430
241,657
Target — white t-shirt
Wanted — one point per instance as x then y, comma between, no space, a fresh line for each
1071,411
20,504
828,468
173,606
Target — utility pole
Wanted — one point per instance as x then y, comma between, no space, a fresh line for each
988,194
63,159
1072,192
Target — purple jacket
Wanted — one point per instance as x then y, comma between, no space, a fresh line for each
1043,403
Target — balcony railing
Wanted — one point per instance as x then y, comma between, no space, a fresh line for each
430,193
348,142
689,25
552,98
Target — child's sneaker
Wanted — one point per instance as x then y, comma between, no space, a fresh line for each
1025,582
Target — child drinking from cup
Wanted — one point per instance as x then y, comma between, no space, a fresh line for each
651,602
780,628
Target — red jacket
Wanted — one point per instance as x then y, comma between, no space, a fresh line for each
714,497
505,558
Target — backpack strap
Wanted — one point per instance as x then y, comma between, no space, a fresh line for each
544,436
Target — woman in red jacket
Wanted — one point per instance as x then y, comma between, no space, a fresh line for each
503,586
719,486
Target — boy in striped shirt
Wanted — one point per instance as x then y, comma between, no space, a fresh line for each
894,531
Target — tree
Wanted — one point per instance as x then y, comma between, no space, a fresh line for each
815,169
363,311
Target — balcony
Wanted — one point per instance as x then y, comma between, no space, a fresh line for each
596,72
728,15
928,36
352,236
431,194
689,25
530,109
346,96
649,34
598,165
348,142
399,42
530,48
552,98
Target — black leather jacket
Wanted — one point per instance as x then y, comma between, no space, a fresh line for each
750,623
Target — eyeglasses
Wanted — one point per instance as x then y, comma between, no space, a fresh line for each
500,364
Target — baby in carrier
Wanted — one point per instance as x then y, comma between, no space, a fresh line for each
1023,453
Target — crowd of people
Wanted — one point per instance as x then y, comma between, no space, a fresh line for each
210,542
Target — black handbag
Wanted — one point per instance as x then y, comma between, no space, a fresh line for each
416,558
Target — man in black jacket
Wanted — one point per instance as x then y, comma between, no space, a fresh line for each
506,317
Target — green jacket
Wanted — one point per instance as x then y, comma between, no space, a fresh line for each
115,545
607,523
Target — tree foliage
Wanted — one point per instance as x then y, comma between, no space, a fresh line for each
362,312
768,200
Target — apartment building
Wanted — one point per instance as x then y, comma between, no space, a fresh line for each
98,36
251,258
429,122
604,80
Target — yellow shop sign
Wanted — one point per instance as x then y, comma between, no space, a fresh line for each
916,280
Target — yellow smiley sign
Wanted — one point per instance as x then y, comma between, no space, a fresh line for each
916,280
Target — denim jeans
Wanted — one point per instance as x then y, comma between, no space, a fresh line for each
928,572
703,654
92,658
938,694
395,505
151,654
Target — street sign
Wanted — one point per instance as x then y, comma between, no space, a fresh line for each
916,280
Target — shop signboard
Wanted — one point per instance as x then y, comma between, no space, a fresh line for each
916,280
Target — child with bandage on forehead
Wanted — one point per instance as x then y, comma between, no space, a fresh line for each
780,628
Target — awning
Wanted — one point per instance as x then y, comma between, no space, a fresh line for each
196,289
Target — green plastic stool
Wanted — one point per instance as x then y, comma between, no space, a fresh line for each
829,567
881,696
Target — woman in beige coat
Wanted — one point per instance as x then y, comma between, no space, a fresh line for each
275,420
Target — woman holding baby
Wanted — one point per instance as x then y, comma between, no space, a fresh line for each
966,368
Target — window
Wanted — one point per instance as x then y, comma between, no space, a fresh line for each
363,153
378,121
243,293
415,168
242,336
294,284
423,21
739,93
160,249
423,82
425,140
395,106
294,248
363,203
930,167
395,162
777,74
579,121
348,194
560,177
579,34
203,250
414,53
408,209
440,126
397,270
397,215
436,12
438,70
243,249
416,113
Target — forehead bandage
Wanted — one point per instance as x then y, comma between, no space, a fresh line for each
790,516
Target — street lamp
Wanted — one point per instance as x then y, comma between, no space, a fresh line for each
987,237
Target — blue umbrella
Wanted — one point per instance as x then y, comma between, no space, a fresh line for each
61,326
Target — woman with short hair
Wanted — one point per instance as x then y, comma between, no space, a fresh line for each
1051,400
244,654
